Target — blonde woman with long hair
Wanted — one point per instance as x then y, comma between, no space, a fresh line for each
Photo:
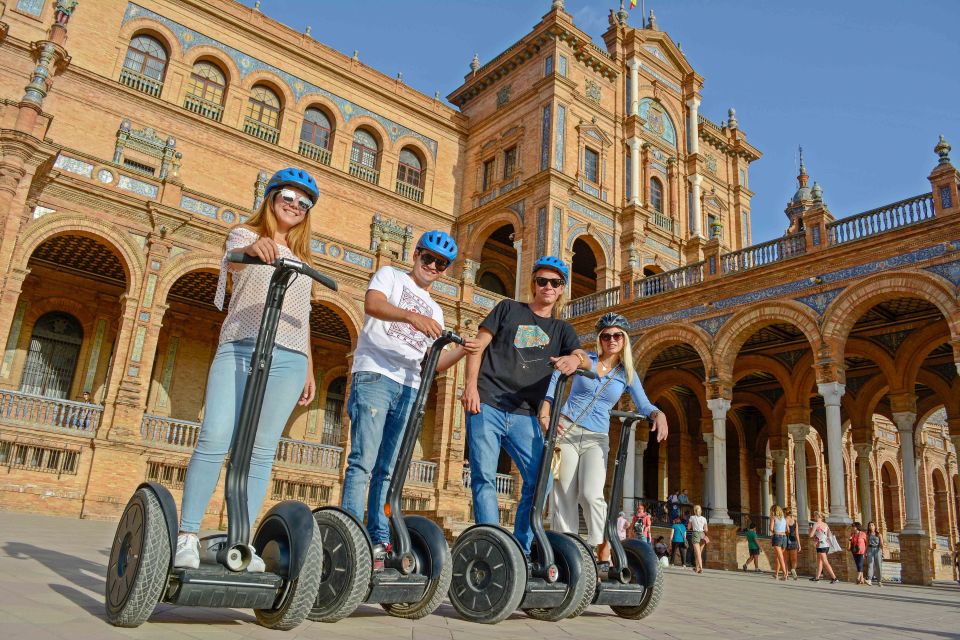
697,525
821,533
584,428
778,528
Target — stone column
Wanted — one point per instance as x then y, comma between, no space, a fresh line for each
638,488
719,408
832,392
799,433
706,500
765,474
905,421
696,224
634,171
628,472
634,65
864,450
518,246
693,146
780,469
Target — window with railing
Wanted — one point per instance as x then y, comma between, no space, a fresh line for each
205,91
263,114
333,412
169,475
509,162
139,167
52,355
144,65
487,179
364,156
410,176
656,195
312,494
315,136
38,458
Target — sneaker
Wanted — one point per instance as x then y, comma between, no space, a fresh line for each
834,580
814,579
744,566
188,551
256,562
793,573
380,552
756,570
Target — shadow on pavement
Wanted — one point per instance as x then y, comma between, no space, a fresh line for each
81,573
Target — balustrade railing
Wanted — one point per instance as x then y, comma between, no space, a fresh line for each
205,108
709,123
364,172
765,253
141,83
308,455
422,472
168,433
506,484
744,520
685,276
411,191
592,302
893,537
663,221
314,152
943,542
49,414
257,129
892,216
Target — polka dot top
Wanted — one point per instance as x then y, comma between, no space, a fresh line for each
250,284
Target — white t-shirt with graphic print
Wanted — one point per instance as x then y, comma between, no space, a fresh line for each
395,349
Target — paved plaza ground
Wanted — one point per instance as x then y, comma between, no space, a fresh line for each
52,578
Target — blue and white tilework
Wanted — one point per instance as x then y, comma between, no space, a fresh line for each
198,206
138,186
73,165
590,213
712,325
948,270
820,301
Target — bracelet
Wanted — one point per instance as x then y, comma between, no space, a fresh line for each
653,414
580,358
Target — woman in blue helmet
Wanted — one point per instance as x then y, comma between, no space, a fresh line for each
584,427
279,228
402,321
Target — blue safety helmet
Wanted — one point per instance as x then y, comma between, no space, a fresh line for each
293,177
612,319
440,243
554,263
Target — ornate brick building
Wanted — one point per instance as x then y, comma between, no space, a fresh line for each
135,134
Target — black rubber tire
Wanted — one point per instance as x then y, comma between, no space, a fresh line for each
591,591
347,565
437,588
301,592
651,595
489,575
139,561
568,557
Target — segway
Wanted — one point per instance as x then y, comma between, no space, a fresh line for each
416,571
632,585
491,578
141,572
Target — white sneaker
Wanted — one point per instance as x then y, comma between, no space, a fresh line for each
257,564
188,551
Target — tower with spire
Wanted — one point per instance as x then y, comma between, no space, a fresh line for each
802,199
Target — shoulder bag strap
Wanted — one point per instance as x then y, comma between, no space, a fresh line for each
597,394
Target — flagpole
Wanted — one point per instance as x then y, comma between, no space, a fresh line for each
643,14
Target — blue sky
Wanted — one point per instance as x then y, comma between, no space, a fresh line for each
864,85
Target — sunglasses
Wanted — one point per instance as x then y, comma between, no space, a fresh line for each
556,283
289,197
427,259
611,337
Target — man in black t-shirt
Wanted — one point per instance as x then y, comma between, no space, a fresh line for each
520,345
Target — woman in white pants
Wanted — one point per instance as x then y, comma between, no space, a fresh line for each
584,428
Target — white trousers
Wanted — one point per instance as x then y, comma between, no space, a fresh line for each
583,472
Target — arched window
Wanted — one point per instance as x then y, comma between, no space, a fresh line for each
410,176
489,281
333,412
315,136
263,114
364,155
205,90
52,358
144,65
656,195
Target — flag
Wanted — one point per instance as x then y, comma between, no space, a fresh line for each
633,4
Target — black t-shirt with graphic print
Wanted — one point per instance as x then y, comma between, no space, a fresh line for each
516,370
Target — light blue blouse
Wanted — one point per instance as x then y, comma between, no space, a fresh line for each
582,391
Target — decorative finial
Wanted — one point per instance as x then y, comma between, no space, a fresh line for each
256,5
943,150
399,76
475,63
436,95
622,15
679,47
308,30
732,118
816,192
803,169
556,5
356,54
651,21
63,10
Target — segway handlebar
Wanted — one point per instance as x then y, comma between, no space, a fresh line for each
627,415
290,263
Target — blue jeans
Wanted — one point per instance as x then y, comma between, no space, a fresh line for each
378,408
225,385
522,439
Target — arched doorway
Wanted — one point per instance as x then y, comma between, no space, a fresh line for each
498,263
52,357
333,412
890,482
941,504
584,278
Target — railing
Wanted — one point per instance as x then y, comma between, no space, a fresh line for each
892,216
205,108
685,276
308,455
422,472
141,83
314,152
50,414
710,124
765,253
662,512
663,221
168,433
893,538
943,542
592,302
364,172
257,129
505,482
411,191
744,520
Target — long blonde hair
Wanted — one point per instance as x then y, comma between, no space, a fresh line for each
264,224
776,511
626,356
562,299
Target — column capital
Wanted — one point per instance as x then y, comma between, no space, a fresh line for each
695,179
765,473
798,431
719,407
863,449
693,103
703,461
906,421
708,438
635,144
831,392
779,455
634,65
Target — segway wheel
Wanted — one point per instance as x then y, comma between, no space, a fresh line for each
300,593
489,575
139,560
651,595
586,555
438,587
347,566
577,570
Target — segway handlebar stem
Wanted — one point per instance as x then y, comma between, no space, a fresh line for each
619,569
299,266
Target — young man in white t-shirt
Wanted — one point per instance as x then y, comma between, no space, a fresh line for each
402,321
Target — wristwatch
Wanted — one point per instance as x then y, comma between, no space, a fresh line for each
653,414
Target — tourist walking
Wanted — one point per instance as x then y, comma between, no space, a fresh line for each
697,524
678,540
778,527
622,523
874,559
858,547
792,551
753,547
641,523
820,532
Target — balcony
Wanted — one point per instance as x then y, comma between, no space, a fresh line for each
206,108
685,276
314,152
167,433
892,216
364,172
506,484
141,83
308,455
408,190
592,302
257,129
49,414
663,221
422,472
760,255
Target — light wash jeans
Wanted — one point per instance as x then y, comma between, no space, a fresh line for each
378,408
583,472
874,562
522,439
225,385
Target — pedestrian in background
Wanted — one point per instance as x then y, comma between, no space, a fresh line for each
793,542
778,525
874,554
858,547
821,533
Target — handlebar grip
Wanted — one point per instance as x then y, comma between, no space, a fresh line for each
586,373
452,336
323,279
626,415
241,257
